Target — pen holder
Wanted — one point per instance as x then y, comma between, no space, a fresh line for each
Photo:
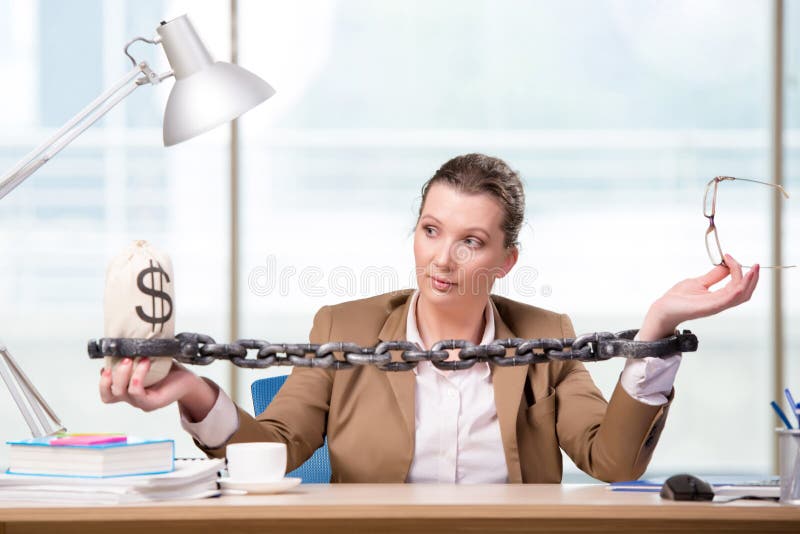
789,451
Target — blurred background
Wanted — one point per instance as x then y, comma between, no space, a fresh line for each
615,112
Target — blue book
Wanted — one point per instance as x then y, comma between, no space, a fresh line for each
87,455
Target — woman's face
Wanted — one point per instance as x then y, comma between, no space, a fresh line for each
459,247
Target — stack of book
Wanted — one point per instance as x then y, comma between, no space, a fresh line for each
90,455
104,469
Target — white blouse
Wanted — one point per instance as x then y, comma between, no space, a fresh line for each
457,432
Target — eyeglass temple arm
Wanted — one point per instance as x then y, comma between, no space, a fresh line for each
776,186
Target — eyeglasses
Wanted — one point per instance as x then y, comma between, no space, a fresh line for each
713,247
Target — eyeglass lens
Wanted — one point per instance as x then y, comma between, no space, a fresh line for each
713,247
709,199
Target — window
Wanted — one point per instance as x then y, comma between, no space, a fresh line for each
616,113
115,184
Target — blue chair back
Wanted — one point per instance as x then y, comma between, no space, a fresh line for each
315,470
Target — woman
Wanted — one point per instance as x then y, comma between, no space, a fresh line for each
485,424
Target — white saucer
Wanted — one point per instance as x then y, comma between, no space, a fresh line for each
255,486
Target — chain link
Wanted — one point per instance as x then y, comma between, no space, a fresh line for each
199,349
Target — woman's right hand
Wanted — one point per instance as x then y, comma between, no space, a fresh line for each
125,384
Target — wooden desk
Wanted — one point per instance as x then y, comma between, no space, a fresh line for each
411,508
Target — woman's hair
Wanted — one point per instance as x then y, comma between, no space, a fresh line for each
477,174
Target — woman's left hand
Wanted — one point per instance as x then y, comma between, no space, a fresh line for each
691,299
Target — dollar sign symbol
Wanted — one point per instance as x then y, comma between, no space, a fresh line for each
155,293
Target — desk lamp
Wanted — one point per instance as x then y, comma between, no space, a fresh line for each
206,94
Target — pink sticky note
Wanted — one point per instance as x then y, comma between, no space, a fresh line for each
87,440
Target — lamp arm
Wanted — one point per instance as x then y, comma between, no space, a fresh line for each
41,419
75,126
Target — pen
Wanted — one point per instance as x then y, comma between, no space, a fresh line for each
792,404
781,414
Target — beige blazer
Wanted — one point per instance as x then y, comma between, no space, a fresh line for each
369,415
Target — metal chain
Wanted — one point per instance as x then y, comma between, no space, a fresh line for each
199,349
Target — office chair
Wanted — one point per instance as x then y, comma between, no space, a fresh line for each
315,470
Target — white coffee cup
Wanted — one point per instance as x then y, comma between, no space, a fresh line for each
257,461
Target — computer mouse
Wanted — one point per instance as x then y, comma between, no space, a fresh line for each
686,487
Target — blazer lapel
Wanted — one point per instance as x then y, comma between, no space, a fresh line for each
508,383
402,382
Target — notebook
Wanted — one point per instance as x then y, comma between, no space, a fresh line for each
191,479
90,455
724,485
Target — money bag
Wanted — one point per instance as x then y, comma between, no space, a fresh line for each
139,302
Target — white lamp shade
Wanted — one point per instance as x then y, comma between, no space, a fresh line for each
206,93
210,97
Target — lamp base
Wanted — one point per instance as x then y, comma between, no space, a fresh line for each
41,419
